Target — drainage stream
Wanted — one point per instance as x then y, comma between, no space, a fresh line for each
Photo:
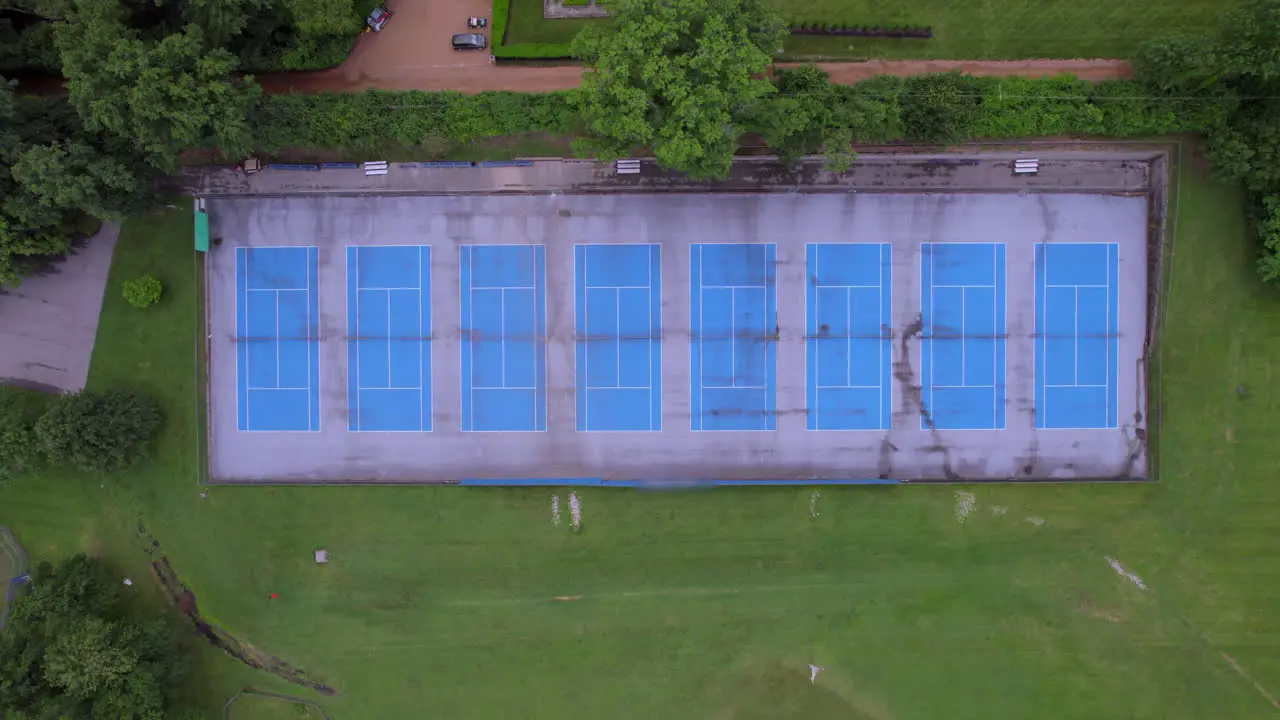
185,601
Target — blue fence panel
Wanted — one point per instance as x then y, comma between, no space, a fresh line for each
340,166
507,163
533,482
448,164
294,166
662,484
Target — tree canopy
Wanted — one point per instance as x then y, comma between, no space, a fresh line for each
1231,78
680,76
71,650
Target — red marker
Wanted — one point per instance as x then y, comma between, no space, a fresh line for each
274,596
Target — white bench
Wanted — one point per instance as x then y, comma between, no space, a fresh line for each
375,167
1028,166
627,167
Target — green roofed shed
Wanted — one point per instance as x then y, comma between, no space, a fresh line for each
202,226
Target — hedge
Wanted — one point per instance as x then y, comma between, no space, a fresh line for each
368,121
894,31
500,48
922,108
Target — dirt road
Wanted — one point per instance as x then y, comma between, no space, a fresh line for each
413,52
360,73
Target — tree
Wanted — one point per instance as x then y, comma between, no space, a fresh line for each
72,650
161,97
98,431
18,451
87,658
680,76
940,108
71,174
1231,79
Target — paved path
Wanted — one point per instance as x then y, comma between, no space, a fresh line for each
48,324
1106,171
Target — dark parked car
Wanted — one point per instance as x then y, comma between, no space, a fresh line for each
470,41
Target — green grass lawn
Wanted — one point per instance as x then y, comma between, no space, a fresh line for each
980,30
443,602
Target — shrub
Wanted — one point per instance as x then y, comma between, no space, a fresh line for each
18,451
143,292
98,431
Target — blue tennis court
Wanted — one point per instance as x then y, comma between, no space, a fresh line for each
733,316
963,335
277,339
1077,341
848,340
389,338
618,324
504,338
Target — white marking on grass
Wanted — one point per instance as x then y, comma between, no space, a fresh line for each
843,587
1124,572
965,504
814,670
999,510
1037,521
1257,686
555,510
575,510
813,503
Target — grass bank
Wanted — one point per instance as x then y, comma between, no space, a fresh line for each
987,30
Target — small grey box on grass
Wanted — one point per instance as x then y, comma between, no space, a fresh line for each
322,556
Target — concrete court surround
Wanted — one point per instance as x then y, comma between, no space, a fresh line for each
913,448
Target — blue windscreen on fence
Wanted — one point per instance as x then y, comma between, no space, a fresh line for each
506,163
340,166
295,166
448,164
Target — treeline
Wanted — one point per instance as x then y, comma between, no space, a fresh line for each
134,103
138,101
75,647
260,34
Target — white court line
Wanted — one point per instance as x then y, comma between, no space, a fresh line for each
469,422
247,375
617,387
277,297
995,327
307,270
279,290
260,389
1075,385
1075,336
964,335
733,336
1107,350
648,351
1059,285
702,304
964,387
512,387
421,379
845,387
